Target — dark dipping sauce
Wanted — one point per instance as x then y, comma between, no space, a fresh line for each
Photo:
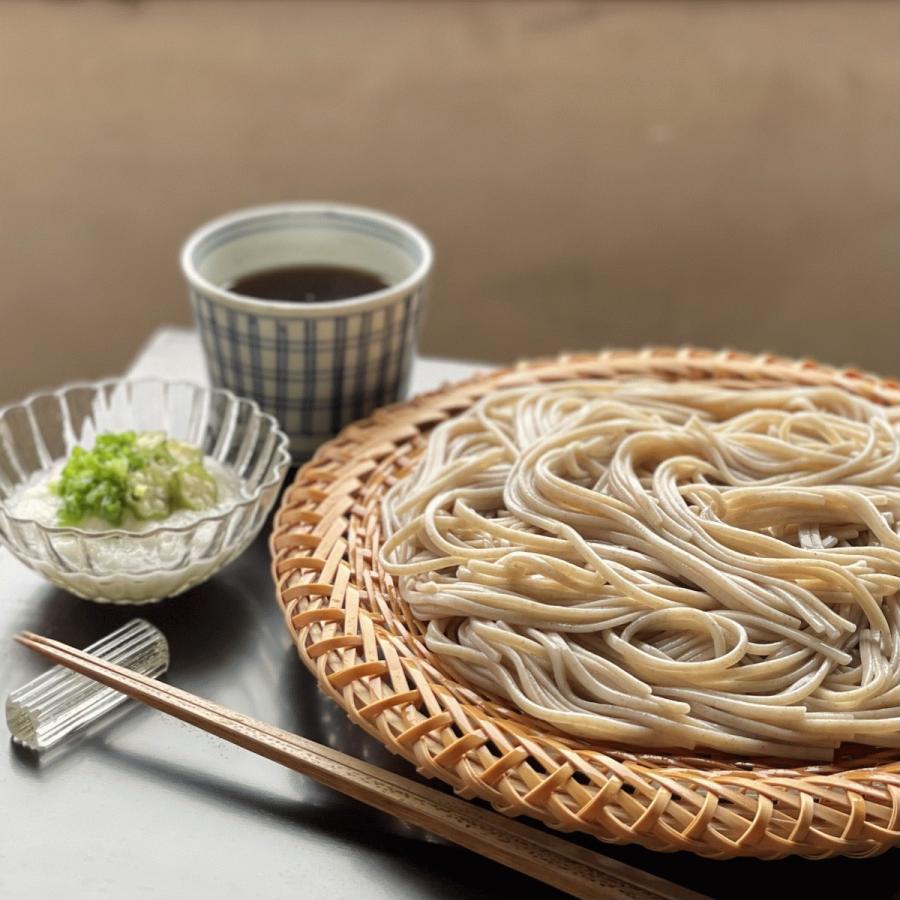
307,284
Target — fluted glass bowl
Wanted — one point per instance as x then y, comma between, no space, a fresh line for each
118,566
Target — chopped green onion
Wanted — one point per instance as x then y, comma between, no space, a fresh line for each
145,474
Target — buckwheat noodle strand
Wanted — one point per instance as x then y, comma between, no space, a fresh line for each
665,565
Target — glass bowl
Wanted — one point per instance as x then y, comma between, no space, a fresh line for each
118,566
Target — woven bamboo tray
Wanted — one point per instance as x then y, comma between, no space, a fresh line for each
356,635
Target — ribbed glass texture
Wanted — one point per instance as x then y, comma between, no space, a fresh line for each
60,702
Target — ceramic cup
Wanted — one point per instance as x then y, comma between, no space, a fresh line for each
314,366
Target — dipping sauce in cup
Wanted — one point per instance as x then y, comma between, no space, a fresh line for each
310,309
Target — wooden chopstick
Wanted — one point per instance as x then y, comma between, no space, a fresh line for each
550,859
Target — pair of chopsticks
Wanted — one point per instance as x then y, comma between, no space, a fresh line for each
550,859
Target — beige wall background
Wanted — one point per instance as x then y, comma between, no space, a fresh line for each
591,174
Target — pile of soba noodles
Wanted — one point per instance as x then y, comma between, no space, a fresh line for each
685,565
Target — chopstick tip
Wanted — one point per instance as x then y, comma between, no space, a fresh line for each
26,638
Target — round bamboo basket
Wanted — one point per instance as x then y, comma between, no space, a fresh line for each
356,635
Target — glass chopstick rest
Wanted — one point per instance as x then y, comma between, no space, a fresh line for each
48,709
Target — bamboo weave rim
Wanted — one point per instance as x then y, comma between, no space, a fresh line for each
356,635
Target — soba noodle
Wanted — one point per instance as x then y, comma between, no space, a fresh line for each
665,565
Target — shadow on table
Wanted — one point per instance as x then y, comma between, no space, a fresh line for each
204,626
352,824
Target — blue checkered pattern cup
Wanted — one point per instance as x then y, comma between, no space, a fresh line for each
314,366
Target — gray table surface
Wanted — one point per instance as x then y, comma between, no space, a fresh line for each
150,807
